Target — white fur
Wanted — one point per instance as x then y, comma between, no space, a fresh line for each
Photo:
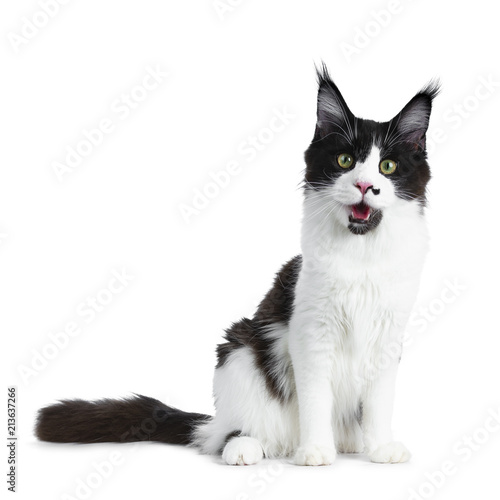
242,451
352,299
244,404
391,453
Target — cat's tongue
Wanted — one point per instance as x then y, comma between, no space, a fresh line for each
361,211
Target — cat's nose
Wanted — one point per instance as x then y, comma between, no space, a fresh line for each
364,186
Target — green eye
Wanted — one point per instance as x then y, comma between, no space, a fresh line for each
387,167
345,160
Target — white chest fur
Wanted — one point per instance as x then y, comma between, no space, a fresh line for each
355,293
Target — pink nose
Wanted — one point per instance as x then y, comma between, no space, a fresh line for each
363,186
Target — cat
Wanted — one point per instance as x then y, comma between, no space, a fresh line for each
313,372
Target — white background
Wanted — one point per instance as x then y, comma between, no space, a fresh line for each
120,209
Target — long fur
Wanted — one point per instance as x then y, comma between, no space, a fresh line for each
116,420
313,371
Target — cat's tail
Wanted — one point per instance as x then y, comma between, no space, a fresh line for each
116,420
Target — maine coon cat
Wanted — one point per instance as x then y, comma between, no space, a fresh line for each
313,372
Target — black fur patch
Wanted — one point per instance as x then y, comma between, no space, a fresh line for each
116,420
230,436
337,131
238,335
401,139
276,307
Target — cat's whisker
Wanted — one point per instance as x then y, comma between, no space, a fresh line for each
314,367
336,133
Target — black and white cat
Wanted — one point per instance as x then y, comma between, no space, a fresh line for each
313,372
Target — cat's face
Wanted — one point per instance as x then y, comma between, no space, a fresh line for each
365,168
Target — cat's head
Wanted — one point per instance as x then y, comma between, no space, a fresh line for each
362,167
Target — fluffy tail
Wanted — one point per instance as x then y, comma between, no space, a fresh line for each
116,420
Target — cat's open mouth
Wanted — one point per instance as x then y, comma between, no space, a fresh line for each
363,218
360,212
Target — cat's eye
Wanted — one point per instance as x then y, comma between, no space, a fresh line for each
344,160
387,167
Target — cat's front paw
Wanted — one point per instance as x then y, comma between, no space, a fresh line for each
312,454
390,453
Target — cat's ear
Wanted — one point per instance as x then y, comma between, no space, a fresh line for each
411,123
333,115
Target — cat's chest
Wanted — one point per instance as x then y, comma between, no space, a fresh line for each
363,313
380,285
359,304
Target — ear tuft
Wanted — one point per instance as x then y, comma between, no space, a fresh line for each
412,121
432,89
332,111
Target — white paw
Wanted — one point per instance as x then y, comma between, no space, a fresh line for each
242,451
390,453
312,454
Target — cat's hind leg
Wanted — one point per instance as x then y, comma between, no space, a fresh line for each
254,398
